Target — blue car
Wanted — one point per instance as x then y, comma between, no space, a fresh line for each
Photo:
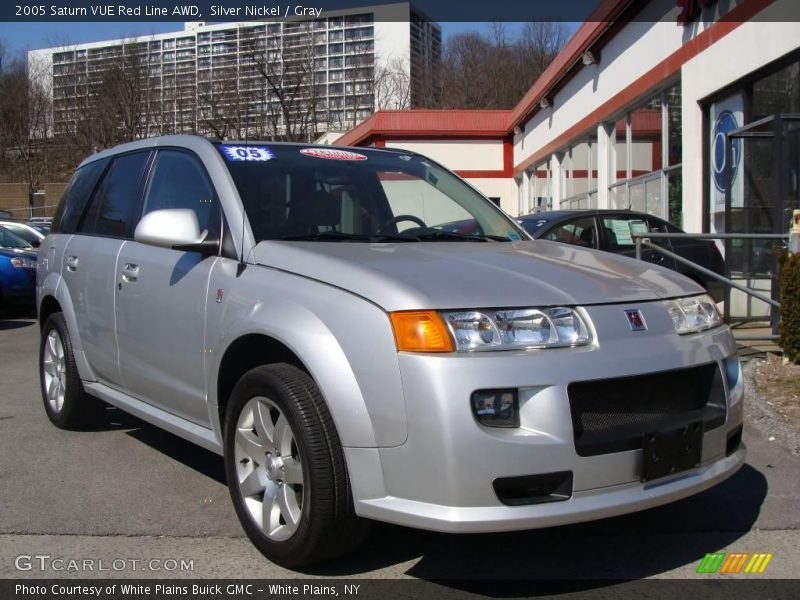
17,272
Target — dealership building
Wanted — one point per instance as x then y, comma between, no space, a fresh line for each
633,113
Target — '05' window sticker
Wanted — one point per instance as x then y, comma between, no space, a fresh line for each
247,153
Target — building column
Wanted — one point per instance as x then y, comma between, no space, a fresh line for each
556,178
605,159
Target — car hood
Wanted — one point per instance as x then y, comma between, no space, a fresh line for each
12,252
447,275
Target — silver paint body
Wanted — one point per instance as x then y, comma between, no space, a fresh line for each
151,342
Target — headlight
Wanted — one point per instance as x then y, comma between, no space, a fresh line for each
21,262
690,315
517,328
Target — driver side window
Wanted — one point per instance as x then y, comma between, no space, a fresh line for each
179,181
419,202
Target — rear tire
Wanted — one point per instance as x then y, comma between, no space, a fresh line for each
66,403
285,468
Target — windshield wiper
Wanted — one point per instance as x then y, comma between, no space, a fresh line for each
459,237
338,236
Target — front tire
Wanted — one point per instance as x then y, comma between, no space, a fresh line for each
285,468
65,402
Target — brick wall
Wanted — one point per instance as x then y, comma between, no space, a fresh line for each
14,198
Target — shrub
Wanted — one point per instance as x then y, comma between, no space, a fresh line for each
790,307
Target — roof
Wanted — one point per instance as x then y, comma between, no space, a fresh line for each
424,122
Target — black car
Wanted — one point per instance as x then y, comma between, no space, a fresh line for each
611,230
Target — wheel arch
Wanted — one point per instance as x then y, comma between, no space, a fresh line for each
330,371
244,353
55,297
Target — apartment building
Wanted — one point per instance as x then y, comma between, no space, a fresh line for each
296,78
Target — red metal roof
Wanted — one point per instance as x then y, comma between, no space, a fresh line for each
478,123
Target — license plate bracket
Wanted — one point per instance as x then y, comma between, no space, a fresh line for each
668,452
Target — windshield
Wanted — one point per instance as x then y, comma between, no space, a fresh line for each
532,225
324,194
26,234
9,240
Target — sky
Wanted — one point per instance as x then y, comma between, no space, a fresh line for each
20,37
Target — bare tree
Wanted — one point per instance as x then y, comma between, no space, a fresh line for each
287,68
392,85
25,119
495,71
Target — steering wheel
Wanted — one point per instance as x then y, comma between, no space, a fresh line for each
399,219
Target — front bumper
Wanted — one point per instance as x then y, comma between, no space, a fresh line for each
442,477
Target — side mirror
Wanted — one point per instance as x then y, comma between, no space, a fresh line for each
175,228
36,243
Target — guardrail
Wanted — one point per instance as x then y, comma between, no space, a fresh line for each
643,239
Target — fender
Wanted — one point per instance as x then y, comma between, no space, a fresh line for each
53,285
333,333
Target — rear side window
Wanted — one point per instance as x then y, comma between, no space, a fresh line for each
76,196
619,230
179,181
115,204
578,232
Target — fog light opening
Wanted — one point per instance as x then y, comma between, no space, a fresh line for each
496,408
534,489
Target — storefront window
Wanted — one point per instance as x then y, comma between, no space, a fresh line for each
645,125
777,93
674,126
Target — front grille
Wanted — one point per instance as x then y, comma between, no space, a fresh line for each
612,415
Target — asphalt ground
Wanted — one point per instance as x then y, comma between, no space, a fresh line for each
131,492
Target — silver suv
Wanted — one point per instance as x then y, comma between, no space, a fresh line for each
310,314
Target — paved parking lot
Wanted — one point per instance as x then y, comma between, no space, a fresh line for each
131,492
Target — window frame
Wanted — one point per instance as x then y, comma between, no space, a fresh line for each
128,235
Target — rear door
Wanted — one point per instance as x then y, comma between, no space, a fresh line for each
162,293
90,259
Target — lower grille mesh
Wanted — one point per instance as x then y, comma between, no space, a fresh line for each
611,415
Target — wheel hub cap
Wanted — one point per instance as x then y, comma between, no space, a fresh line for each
269,472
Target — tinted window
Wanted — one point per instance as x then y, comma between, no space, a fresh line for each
323,193
23,232
179,181
114,206
9,240
578,232
76,196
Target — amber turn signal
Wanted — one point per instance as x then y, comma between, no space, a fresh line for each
420,331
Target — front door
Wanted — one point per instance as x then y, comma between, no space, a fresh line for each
161,297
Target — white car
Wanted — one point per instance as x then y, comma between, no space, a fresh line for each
26,232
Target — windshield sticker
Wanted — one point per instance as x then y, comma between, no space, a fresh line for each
514,236
248,153
331,154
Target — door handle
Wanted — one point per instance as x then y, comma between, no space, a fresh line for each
130,272
72,263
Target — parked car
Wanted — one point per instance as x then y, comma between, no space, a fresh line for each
43,229
17,272
31,235
611,230
297,310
